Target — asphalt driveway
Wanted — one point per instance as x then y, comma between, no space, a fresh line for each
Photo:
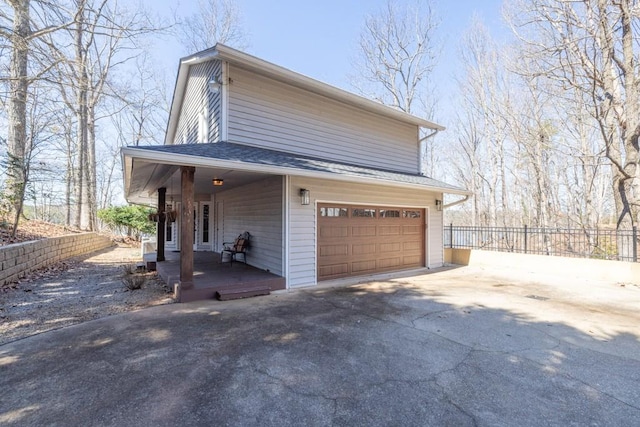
459,347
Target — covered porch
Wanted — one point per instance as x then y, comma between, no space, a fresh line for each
211,276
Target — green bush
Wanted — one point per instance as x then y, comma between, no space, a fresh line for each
134,220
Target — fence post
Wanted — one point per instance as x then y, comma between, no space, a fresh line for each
635,243
451,235
525,238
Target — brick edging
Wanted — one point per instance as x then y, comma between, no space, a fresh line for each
18,259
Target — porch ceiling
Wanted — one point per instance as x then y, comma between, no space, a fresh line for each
148,176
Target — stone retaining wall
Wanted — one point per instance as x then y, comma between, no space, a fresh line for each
20,258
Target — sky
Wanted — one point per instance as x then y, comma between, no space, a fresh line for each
319,38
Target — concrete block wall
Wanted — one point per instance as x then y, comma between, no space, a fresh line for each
588,269
20,258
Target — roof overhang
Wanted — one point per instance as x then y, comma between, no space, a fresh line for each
276,72
146,169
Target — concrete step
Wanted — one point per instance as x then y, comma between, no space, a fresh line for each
242,292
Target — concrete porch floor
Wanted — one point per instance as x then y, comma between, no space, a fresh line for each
210,275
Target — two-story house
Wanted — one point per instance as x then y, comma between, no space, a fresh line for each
327,182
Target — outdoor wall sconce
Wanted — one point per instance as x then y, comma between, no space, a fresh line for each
215,84
217,182
305,196
438,205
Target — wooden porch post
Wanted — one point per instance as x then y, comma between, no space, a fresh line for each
162,193
186,228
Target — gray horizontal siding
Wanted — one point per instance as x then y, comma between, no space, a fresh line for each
302,219
266,113
256,208
197,100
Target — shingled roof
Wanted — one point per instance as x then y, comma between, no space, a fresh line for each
286,163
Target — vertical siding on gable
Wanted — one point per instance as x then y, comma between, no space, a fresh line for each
302,219
256,208
266,113
199,100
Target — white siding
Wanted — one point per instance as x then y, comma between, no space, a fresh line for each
200,103
256,208
302,219
266,113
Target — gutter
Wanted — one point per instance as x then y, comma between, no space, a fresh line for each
457,202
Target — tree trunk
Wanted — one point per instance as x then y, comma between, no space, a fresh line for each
17,108
81,189
91,169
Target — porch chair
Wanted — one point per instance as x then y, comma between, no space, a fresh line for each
235,248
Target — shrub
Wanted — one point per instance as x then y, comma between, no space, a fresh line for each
131,278
132,219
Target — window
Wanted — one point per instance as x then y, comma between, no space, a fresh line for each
389,213
169,228
363,213
411,214
334,212
205,224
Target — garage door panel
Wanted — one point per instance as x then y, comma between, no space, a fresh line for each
361,267
368,240
334,270
389,230
333,250
415,245
390,247
408,230
363,249
412,260
363,231
385,263
329,231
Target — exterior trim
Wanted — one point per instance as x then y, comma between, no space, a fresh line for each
286,224
224,113
427,234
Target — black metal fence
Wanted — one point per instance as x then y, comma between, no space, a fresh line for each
620,245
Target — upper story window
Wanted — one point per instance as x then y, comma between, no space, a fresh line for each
203,128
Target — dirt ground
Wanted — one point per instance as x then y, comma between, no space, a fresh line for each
32,230
75,291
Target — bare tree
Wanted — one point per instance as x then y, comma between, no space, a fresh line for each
398,51
483,124
215,21
21,35
103,38
591,48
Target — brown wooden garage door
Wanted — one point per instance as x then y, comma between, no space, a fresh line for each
356,240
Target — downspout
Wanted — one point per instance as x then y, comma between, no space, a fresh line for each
422,151
457,202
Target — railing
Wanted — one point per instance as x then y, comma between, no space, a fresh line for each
620,245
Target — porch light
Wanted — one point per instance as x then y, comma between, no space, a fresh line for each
304,196
215,84
217,182
438,205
